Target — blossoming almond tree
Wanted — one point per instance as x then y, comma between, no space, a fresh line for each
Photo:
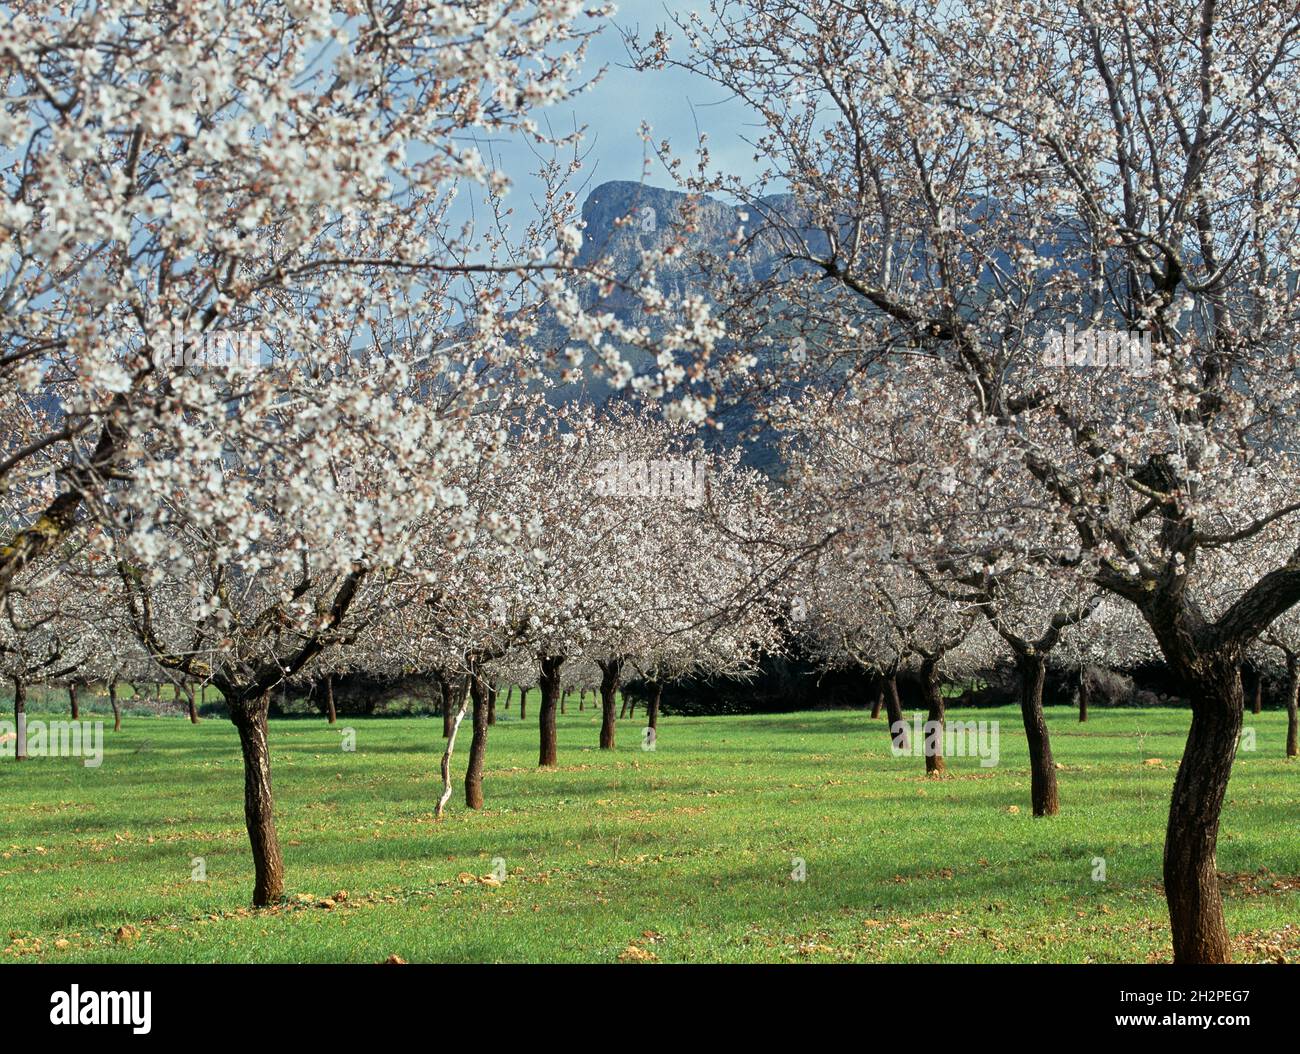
986,184
282,176
176,172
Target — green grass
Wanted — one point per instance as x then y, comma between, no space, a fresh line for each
684,853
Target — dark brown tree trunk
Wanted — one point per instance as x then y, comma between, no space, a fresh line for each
894,711
551,698
934,761
880,698
652,707
1292,714
249,717
492,704
331,714
194,708
73,703
523,703
444,689
1258,707
1085,689
1190,869
510,688
1044,798
611,673
20,718
117,709
563,697
479,694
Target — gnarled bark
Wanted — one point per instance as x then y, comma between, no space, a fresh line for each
249,718
1043,795
611,674
20,718
1190,869
933,744
479,694
1292,717
551,698
894,712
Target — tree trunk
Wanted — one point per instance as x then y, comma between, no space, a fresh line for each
492,704
448,709
194,709
117,709
1085,689
73,704
481,708
894,711
652,708
1190,869
451,729
934,761
1292,717
331,714
523,703
1044,798
551,698
510,688
1258,707
611,673
20,718
880,698
249,717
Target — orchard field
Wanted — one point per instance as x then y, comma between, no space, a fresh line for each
361,348
686,853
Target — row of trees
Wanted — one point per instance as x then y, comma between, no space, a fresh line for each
961,185
541,571
384,485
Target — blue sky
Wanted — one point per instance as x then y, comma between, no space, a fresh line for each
675,103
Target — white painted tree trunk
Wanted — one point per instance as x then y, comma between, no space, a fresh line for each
446,756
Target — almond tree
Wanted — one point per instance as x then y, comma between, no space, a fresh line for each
984,185
1115,637
177,179
229,170
44,634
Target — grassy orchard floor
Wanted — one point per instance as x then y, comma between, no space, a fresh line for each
683,854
